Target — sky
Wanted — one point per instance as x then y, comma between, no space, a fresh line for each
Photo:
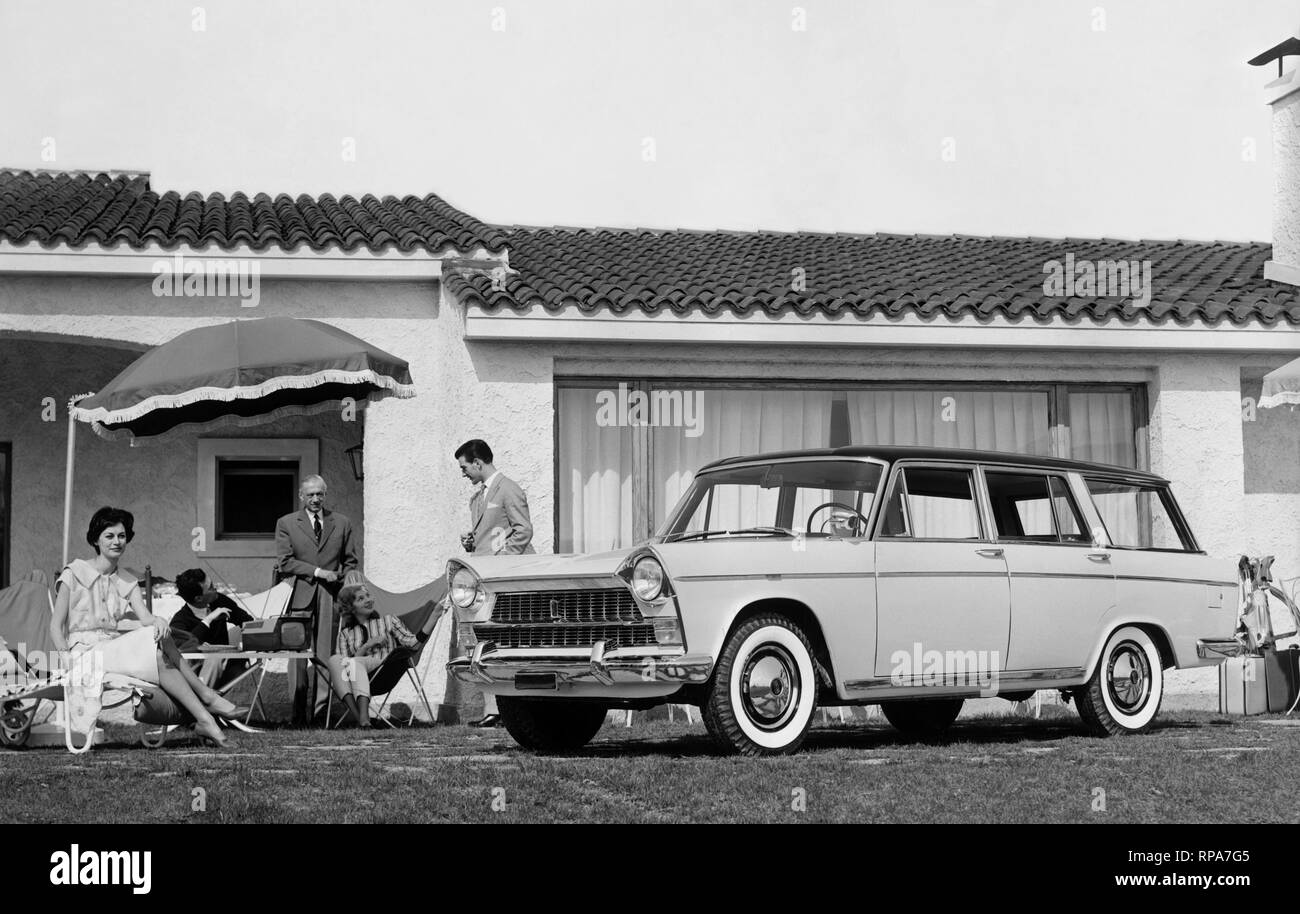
1079,118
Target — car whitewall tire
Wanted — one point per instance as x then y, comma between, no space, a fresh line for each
764,691
1126,688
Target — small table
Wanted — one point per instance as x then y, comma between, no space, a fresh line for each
257,661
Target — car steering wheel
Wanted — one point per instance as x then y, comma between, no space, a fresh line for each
862,531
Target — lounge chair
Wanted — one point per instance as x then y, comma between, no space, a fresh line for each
402,663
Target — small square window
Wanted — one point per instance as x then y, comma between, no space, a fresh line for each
252,495
243,486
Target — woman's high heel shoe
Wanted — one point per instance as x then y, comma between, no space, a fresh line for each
223,707
213,736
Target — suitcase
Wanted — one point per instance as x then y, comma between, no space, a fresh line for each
1243,686
1282,678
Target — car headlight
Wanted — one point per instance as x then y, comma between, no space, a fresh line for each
648,578
463,587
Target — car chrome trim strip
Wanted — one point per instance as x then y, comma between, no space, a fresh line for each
1166,580
942,574
595,669
1012,676
554,582
775,577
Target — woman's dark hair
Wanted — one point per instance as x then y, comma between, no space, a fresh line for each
474,449
189,584
110,517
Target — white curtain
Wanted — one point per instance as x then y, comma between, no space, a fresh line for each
595,497
1101,428
1101,431
734,423
993,420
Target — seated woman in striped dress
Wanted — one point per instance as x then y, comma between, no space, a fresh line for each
365,640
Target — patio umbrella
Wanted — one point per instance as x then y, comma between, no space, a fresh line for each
1281,386
244,372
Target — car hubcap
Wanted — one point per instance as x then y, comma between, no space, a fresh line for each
1128,677
770,687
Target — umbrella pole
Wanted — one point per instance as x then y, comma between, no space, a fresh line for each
67,479
67,485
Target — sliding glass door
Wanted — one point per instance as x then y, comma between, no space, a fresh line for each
626,450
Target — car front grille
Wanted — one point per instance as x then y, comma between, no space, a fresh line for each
561,635
567,618
610,604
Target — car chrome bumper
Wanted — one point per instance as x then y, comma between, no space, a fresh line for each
1217,648
487,666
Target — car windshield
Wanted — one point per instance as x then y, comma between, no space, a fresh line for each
814,497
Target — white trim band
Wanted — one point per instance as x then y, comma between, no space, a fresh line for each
304,263
571,325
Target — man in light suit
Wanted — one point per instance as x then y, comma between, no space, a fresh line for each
499,520
315,547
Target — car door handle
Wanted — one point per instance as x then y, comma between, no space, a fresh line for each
1099,556
989,553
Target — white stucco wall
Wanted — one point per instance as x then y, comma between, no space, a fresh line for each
1286,180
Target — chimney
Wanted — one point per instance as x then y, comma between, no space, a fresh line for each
1283,96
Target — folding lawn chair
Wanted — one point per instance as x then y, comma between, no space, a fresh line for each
30,676
402,663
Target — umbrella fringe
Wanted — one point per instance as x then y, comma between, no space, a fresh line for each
392,386
189,428
1280,398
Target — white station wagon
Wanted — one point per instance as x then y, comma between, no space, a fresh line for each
912,578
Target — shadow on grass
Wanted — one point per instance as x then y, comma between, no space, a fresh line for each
865,737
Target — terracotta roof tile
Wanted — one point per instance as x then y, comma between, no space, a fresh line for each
79,208
932,276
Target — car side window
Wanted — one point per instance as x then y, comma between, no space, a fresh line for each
1136,516
1022,506
932,503
1069,521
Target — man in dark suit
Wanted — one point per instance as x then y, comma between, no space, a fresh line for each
315,547
204,619
500,524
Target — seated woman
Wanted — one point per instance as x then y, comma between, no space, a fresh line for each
91,602
364,643
203,620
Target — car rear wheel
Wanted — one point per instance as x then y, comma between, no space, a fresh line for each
764,688
923,717
1124,693
549,725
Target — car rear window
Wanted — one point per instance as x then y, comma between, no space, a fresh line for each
1137,516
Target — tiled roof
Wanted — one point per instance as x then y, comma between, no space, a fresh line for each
749,272
79,208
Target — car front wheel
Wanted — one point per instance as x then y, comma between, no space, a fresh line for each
925,717
550,725
764,688
1124,693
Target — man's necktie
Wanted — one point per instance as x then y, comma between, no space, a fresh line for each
315,523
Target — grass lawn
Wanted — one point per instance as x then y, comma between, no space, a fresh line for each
1194,767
